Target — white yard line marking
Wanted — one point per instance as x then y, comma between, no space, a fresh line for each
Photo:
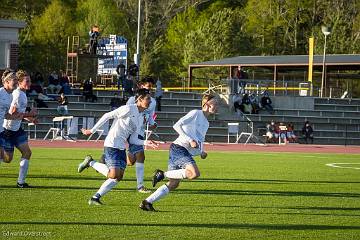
338,165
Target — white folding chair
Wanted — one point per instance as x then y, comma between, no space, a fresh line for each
247,129
233,129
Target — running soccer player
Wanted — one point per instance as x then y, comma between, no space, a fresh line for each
127,119
192,129
136,152
9,82
14,135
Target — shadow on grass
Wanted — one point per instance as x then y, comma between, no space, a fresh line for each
198,225
267,193
264,181
65,177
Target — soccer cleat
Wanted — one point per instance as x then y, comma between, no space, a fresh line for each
85,163
144,190
95,201
146,206
158,176
23,185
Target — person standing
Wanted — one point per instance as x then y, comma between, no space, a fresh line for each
192,129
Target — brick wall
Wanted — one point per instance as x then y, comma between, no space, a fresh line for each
14,56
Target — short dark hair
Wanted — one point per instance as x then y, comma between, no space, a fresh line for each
147,79
141,93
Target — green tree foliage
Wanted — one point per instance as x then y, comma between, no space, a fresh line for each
49,37
175,33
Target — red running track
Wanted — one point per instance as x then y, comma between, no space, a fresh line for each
300,148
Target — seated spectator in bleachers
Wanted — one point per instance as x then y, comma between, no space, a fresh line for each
88,91
38,79
115,102
35,89
308,132
237,102
63,105
65,83
282,131
271,134
254,103
54,86
266,103
290,133
245,102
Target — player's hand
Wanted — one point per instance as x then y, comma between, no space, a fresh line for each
33,112
203,155
151,143
86,131
152,127
35,121
193,144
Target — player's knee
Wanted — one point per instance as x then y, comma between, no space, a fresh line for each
192,174
27,154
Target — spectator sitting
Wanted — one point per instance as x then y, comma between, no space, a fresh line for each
88,91
308,131
290,133
237,103
63,105
38,79
54,87
271,135
266,103
115,102
282,129
245,102
35,89
254,103
65,83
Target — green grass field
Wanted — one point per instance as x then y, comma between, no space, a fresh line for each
238,196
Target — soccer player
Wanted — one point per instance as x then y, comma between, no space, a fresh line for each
13,134
136,152
127,119
192,129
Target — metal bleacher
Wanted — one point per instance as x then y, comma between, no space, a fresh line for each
335,121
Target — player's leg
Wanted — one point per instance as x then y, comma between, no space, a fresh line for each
136,154
162,191
1,147
116,162
24,164
90,162
8,145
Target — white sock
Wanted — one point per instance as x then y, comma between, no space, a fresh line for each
176,174
139,174
159,193
106,187
100,167
24,166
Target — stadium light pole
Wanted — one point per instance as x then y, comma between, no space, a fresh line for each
326,31
137,54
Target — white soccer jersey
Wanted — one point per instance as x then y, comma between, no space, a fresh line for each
192,126
5,102
126,121
19,99
148,116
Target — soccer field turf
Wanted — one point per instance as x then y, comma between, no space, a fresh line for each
238,196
